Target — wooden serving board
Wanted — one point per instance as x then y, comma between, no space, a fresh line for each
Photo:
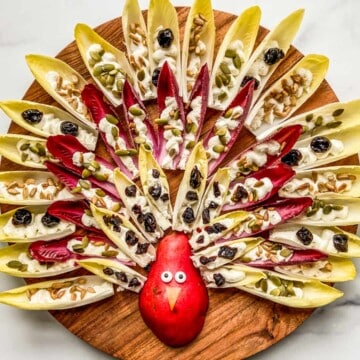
238,325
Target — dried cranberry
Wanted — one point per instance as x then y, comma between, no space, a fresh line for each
247,78
292,158
50,220
341,242
32,116
205,216
21,217
149,222
155,173
155,76
120,275
164,197
108,271
188,215
136,209
200,239
155,191
320,144
216,189
69,128
219,279
227,252
273,55
239,193
134,282
165,37
205,260
304,235
192,196
130,191
142,248
131,238
195,178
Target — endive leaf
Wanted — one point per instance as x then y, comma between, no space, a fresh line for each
198,44
332,269
51,122
299,83
58,295
35,230
115,272
136,41
107,65
57,78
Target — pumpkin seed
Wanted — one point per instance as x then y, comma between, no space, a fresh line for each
84,184
176,132
230,53
225,68
223,140
190,145
116,207
100,192
162,121
24,146
97,71
309,117
100,177
141,75
113,72
319,121
88,212
176,115
290,288
120,84
14,264
237,61
24,157
172,152
79,248
311,212
218,81
264,285
221,132
333,124
115,132
337,112
245,259
275,280
223,96
110,80
129,152
228,113
76,190
226,79
139,140
85,173
189,127
134,110
299,284
95,56
275,292
327,209
110,253
219,148
95,165
102,79
111,119
285,252
337,207
33,149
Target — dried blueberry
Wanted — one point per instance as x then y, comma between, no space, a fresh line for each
155,173
130,191
188,215
216,189
304,235
341,242
32,116
149,222
320,144
164,197
205,260
155,76
49,220
219,279
120,275
239,193
192,196
273,55
292,158
142,248
195,178
205,216
108,271
155,191
227,252
134,282
131,238
249,78
21,217
165,37
69,128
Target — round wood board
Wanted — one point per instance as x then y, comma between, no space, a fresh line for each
237,325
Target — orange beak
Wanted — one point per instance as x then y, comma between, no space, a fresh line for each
172,294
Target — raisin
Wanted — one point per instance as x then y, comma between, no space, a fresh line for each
165,37
216,189
304,235
134,282
320,144
49,220
142,248
140,218
69,128
292,158
205,260
149,222
219,279
114,221
155,191
249,78
200,239
205,216
341,242
192,196
219,227
240,193
188,215
155,173
227,252
136,209
155,76
130,191
120,275
22,217
213,205
32,116
164,197
273,55
108,271
130,238
195,178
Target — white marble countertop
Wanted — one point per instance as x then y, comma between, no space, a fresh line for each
330,27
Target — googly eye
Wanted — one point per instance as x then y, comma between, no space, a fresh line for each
180,277
166,276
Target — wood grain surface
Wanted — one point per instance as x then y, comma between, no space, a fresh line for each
238,325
